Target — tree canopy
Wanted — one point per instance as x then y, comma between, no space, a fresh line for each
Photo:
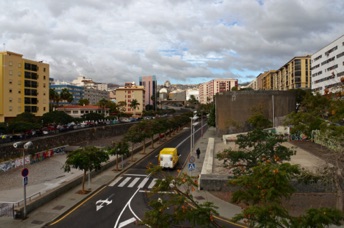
87,159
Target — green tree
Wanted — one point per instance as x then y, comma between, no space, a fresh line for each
87,159
255,147
134,104
103,103
134,136
121,106
258,119
211,119
263,191
264,178
120,148
179,207
66,95
57,117
84,102
54,98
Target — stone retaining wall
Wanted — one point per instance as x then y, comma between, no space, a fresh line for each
75,137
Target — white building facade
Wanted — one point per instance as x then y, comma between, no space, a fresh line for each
327,68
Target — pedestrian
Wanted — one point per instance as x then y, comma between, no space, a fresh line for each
198,152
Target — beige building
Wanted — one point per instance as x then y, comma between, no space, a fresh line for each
295,74
128,93
24,86
77,111
208,90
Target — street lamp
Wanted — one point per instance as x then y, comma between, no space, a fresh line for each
195,117
25,146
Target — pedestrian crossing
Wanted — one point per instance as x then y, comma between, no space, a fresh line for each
134,181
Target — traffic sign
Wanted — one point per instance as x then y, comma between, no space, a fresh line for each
191,166
192,159
25,180
25,172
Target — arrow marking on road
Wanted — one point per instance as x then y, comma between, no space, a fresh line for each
100,203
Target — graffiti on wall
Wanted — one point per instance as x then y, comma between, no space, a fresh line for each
31,159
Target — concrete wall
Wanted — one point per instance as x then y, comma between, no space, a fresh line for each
234,108
75,137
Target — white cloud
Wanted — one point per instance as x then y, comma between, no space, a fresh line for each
184,41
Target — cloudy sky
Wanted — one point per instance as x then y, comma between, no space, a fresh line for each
183,41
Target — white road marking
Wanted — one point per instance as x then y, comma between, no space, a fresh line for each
142,184
126,180
151,185
127,222
115,181
134,182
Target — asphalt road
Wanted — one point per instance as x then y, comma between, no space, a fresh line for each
124,200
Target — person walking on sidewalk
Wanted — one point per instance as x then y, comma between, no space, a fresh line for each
198,152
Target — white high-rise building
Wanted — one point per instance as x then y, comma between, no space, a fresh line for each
327,68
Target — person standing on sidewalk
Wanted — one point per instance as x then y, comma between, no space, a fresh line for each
198,152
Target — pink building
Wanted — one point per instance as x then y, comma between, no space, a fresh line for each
150,86
209,89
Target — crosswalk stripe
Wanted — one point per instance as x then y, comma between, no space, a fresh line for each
115,181
151,185
134,182
142,184
126,180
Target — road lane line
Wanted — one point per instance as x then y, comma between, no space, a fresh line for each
126,205
115,182
134,182
132,174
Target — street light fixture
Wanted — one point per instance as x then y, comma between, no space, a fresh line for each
195,117
23,146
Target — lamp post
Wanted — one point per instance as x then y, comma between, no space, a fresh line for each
192,140
191,118
25,171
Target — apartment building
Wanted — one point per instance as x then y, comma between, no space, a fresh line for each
149,84
295,74
127,94
76,91
328,68
208,90
24,86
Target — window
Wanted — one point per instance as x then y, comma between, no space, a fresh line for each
10,63
10,108
19,65
10,90
11,72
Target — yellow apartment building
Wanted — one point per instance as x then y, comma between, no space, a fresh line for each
24,86
295,74
128,93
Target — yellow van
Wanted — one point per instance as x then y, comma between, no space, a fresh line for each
168,158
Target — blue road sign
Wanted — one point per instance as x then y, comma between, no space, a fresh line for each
25,179
191,166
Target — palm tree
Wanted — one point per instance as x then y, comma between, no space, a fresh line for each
66,95
134,104
54,98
